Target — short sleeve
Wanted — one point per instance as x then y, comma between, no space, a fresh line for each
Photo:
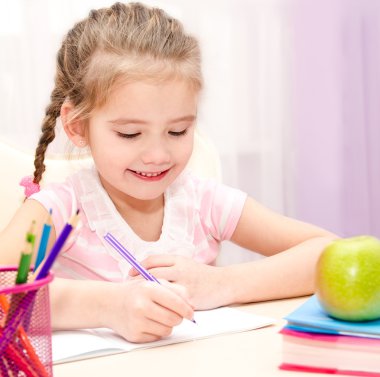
220,208
60,198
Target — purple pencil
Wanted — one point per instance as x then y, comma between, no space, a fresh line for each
50,259
131,259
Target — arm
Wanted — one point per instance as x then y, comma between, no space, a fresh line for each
12,238
139,311
291,249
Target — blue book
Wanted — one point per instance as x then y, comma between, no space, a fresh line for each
311,317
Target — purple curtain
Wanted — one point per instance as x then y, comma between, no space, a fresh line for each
337,114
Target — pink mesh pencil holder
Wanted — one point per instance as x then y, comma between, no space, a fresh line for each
25,330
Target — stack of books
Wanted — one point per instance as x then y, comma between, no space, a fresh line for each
316,342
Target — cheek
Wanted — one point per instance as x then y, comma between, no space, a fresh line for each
106,154
185,150
104,144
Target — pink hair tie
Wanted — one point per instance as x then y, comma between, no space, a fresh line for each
30,186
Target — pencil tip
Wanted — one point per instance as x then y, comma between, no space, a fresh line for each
77,211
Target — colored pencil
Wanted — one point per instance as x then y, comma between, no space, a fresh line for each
50,259
3,367
26,257
37,364
44,241
10,310
131,259
13,354
22,270
18,314
25,343
15,317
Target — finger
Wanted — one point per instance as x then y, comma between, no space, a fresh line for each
160,260
165,273
164,316
169,282
156,329
171,300
154,261
179,290
152,332
137,278
144,338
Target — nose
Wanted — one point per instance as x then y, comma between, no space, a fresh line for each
156,152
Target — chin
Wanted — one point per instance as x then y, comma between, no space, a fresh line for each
146,194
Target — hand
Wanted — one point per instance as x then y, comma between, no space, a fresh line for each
203,282
143,311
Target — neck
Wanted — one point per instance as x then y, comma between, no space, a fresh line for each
145,217
126,204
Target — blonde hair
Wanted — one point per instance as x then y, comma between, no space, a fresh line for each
125,42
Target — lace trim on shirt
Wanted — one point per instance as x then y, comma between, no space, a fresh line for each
178,225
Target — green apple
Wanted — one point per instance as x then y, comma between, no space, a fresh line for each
348,278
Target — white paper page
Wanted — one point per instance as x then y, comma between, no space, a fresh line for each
71,345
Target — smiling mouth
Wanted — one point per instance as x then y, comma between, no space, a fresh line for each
157,174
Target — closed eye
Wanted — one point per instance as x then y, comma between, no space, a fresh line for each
128,136
179,133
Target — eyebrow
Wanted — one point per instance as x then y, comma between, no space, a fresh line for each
122,121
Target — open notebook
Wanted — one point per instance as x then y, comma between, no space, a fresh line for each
81,344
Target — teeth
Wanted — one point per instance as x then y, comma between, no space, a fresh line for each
148,174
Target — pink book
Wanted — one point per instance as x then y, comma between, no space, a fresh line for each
330,353
297,368
334,338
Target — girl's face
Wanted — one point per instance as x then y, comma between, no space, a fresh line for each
142,139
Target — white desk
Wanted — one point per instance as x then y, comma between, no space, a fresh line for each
255,353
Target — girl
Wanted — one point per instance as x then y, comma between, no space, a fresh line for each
127,86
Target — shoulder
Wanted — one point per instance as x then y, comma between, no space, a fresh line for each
220,207
55,194
209,191
70,184
63,197
217,206
191,183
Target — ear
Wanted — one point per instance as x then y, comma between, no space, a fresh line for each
75,129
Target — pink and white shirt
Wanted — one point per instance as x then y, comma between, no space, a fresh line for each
198,215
